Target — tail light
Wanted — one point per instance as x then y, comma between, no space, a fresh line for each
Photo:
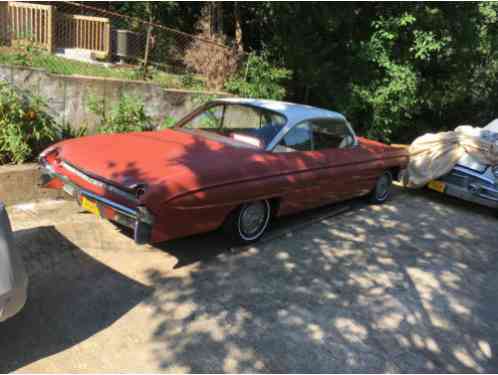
139,189
50,155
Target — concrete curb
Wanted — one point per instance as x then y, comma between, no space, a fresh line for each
19,184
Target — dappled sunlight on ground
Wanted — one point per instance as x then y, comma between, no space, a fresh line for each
385,288
410,286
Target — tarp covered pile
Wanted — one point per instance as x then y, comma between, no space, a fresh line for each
434,155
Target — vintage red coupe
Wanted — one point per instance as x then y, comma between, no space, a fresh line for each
232,163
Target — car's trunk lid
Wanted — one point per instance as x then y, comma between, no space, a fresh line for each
471,163
148,157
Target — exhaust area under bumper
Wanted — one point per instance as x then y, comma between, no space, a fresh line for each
139,219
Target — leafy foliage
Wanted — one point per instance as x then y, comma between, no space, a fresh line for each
396,70
127,115
66,131
24,127
168,122
260,79
211,60
60,65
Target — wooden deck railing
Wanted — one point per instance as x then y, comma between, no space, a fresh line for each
30,22
4,17
43,26
91,33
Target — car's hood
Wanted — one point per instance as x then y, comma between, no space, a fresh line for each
181,160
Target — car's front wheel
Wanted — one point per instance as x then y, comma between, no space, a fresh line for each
249,222
383,188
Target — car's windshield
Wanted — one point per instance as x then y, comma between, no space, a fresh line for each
251,126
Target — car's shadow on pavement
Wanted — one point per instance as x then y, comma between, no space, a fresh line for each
452,202
71,297
207,246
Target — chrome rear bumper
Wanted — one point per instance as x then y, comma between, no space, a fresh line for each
470,188
138,219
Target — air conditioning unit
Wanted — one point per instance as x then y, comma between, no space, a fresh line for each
129,44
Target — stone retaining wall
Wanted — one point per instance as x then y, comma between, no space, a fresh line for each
67,96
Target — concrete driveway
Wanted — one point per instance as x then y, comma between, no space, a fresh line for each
411,286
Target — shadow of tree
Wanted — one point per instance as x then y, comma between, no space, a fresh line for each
405,287
218,177
72,296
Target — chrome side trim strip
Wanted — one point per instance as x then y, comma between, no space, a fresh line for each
488,193
82,175
96,182
466,195
473,174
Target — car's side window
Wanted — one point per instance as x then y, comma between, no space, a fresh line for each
209,119
331,133
299,138
241,117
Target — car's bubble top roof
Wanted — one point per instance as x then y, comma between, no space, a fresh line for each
294,112
492,126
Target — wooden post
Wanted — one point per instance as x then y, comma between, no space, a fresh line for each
4,21
238,28
51,29
107,40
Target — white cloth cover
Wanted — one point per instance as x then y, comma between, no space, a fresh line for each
434,155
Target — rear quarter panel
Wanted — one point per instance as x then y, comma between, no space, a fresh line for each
391,157
203,208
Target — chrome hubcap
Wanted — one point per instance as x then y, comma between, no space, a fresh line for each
383,186
253,218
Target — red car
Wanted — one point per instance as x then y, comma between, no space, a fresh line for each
235,163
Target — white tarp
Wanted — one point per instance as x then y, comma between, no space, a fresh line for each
434,155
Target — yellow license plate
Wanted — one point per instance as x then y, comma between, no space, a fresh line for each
90,206
437,185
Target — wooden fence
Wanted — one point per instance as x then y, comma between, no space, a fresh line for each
91,33
4,16
30,22
44,27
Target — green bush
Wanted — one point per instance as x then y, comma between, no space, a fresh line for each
25,129
127,115
259,79
168,122
66,131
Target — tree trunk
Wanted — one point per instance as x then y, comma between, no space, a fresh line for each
216,18
219,17
238,28
147,42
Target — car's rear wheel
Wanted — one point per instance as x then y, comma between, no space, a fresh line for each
249,222
383,188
